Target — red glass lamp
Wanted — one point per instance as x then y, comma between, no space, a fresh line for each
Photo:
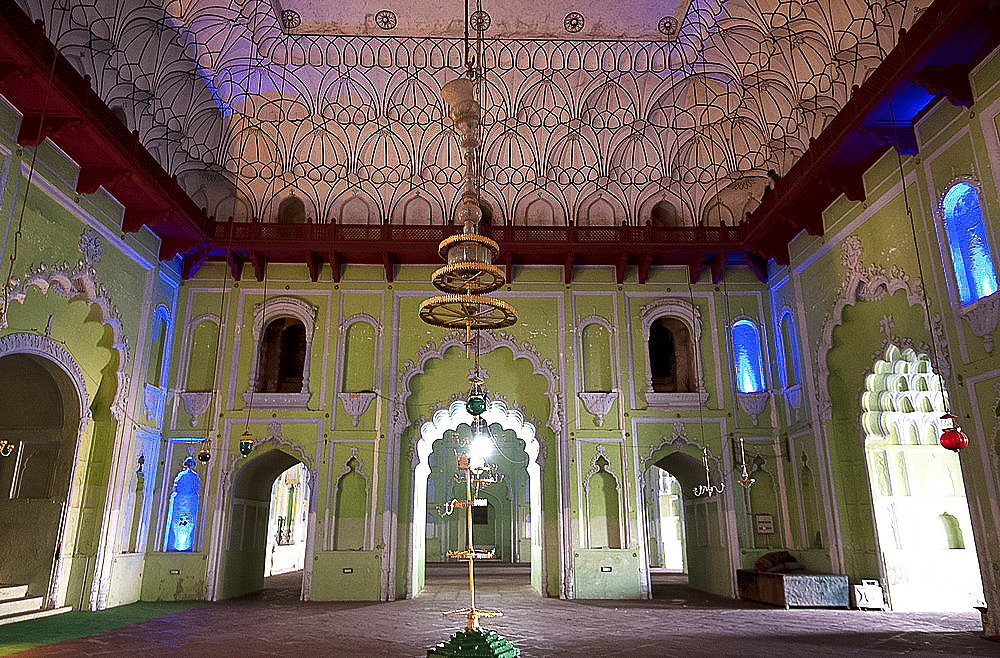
952,438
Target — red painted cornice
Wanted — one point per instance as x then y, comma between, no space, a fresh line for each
949,39
56,102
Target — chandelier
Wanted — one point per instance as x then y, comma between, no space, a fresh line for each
470,274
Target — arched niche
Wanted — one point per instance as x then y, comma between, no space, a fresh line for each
688,314
603,514
200,356
291,210
359,358
202,346
264,313
596,344
352,518
158,364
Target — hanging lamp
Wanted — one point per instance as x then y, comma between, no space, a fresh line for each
952,438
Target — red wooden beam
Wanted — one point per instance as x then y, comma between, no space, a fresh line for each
57,103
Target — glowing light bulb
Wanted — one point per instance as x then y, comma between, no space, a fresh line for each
481,446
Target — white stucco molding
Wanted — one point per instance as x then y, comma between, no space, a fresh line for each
870,283
80,283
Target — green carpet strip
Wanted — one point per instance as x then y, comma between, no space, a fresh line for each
33,633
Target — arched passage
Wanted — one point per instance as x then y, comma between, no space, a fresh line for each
504,523
41,408
521,524
700,522
528,383
244,553
918,494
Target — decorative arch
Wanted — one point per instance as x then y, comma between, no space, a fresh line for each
80,284
488,341
448,419
282,306
865,284
915,485
498,412
690,315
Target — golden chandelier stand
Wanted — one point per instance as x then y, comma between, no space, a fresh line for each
475,478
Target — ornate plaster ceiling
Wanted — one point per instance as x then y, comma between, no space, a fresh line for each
249,102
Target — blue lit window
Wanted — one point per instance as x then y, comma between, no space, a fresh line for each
970,252
182,514
746,352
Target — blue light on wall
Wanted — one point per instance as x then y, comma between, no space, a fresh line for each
787,340
182,513
747,355
970,252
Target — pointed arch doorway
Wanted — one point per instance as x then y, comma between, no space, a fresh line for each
515,528
243,561
685,533
922,521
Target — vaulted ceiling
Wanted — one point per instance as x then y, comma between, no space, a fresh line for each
596,114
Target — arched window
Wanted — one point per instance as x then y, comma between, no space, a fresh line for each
971,257
747,357
670,356
282,356
292,211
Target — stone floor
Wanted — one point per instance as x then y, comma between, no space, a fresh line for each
676,622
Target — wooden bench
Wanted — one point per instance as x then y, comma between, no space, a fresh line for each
794,589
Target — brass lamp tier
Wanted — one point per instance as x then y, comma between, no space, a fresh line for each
467,312
468,247
466,278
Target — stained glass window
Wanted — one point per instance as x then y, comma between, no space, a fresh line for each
747,356
970,252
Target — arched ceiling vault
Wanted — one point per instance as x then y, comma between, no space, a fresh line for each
674,110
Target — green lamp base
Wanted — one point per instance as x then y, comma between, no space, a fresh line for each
476,644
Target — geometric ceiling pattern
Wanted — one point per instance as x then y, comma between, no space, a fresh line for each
249,102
